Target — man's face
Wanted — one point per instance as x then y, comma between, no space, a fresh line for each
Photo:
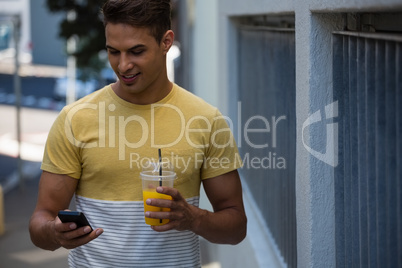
138,61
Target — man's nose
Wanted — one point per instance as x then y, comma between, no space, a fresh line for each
125,63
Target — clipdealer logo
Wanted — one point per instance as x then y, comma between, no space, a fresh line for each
330,156
118,124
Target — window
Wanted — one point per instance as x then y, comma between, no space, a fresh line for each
368,180
268,137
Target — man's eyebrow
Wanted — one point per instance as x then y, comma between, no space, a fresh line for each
132,48
110,47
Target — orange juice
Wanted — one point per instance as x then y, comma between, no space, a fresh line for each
148,194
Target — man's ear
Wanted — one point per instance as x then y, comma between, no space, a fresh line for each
167,41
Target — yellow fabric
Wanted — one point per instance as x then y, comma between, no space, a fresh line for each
104,141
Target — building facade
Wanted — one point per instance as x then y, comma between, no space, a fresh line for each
312,91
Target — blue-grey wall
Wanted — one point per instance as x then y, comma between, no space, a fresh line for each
47,48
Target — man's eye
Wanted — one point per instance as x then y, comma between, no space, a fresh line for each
137,52
113,52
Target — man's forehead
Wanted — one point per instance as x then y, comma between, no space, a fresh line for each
117,34
112,27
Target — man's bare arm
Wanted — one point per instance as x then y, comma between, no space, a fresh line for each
46,229
228,223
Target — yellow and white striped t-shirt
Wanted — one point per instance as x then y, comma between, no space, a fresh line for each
103,141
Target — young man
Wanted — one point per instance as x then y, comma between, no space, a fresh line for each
97,146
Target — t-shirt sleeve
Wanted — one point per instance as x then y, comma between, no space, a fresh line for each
61,155
222,155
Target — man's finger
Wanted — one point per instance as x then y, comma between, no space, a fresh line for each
169,191
162,203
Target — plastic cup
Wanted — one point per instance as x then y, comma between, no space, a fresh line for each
151,179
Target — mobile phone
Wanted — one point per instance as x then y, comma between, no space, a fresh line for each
74,216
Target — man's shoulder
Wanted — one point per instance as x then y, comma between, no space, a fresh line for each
95,98
189,100
86,107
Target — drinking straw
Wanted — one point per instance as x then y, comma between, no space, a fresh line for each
160,166
160,171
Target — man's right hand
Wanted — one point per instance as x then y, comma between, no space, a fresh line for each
46,229
68,236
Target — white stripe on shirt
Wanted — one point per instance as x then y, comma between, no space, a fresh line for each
128,242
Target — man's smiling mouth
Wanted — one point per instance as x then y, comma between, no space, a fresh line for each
129,78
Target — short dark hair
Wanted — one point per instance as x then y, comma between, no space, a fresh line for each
152,14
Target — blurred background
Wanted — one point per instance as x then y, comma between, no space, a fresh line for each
311,89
